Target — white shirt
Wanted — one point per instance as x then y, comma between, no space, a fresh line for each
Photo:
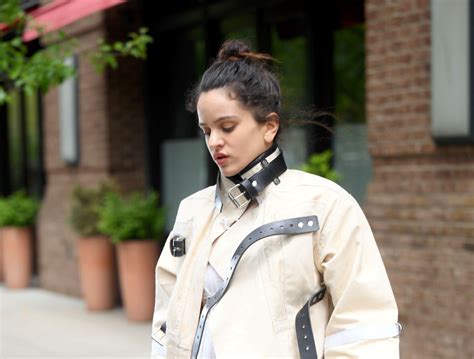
212,283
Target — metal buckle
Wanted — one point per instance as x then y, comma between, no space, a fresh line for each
234,198
178,246
318,295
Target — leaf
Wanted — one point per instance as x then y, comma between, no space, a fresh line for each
319,164
3,96
118,46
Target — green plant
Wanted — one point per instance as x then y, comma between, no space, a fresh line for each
46,67
320,164
137,216
108,53
18,210
84,214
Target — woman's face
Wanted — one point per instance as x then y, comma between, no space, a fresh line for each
233,137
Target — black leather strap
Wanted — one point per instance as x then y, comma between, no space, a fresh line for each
238,177
296,225
256,183
304,331
252,186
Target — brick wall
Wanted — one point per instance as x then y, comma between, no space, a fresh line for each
111,145
125,104
421,200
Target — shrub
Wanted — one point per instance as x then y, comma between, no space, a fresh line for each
84,214
320,164
18,210
137,216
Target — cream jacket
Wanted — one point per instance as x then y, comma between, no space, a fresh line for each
276,276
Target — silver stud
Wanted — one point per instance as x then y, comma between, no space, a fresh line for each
305,337
300,224
303,326
310,223
307,348
254,183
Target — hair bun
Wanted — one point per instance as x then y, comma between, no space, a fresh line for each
233,50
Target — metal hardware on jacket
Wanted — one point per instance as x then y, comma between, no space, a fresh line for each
178,246
268,169
304,331
296,225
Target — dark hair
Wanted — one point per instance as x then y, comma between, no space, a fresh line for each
247,75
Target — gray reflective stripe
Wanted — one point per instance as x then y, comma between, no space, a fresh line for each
363,332
157,348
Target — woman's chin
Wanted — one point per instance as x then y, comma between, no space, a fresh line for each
228,172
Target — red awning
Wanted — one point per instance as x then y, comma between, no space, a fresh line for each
60,13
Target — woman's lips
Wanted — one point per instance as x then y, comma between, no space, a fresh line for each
221,159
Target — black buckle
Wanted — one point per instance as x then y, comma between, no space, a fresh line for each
178,246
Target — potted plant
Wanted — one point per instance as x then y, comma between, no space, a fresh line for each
96,254
17,218
135,223
2,276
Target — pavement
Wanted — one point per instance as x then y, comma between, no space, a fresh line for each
40,324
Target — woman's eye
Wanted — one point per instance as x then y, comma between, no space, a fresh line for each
228,129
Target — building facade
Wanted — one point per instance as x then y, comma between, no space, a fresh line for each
418,194
420,201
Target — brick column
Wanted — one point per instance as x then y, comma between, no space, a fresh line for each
111,127
421,200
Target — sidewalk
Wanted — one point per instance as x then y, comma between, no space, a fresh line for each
39,324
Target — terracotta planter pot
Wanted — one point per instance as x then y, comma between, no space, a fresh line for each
137,260
1,256
17,256
98,272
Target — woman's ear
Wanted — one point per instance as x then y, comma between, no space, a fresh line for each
272,124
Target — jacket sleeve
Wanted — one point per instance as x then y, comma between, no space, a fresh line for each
165,278
363,323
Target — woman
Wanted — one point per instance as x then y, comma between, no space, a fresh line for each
269,262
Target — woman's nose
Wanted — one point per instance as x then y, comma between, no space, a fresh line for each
215,140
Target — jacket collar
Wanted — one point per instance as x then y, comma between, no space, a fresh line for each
223,185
